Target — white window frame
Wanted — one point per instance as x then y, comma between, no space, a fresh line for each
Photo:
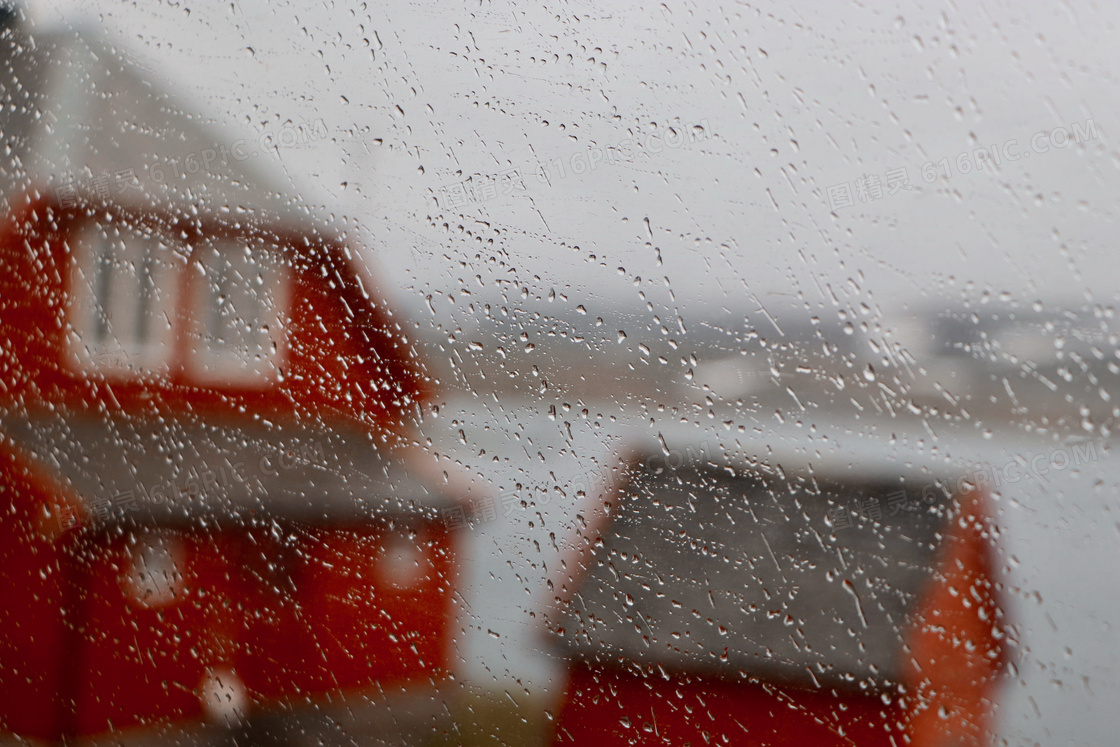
118,324
227,268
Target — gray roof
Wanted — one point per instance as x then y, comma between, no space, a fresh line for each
184,471
735,572
73,106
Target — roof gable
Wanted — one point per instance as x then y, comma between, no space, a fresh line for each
727,573
75,106
93,138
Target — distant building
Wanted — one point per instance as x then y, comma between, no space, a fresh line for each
792,363
213,508
721,599
1005,365
1010,364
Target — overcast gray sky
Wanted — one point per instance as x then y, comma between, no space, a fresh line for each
417,97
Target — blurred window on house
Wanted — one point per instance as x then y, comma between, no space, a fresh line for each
240,303
404,562
122,305
155,577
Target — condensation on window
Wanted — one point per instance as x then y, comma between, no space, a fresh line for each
569,373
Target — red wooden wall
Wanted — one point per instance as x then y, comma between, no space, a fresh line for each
326,623
347,355
644,705
297,616
956,648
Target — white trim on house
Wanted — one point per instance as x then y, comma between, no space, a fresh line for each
124,293
240,314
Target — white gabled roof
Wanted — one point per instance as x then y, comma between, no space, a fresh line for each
73,107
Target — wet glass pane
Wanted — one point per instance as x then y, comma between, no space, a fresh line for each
576,373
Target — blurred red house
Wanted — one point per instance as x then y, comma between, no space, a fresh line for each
715,600
213,509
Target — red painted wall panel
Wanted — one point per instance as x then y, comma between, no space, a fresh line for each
293,621
294,615
367,627
135,664
33,650
347,359
645,706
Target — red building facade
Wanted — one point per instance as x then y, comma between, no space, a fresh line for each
213,504
722,601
